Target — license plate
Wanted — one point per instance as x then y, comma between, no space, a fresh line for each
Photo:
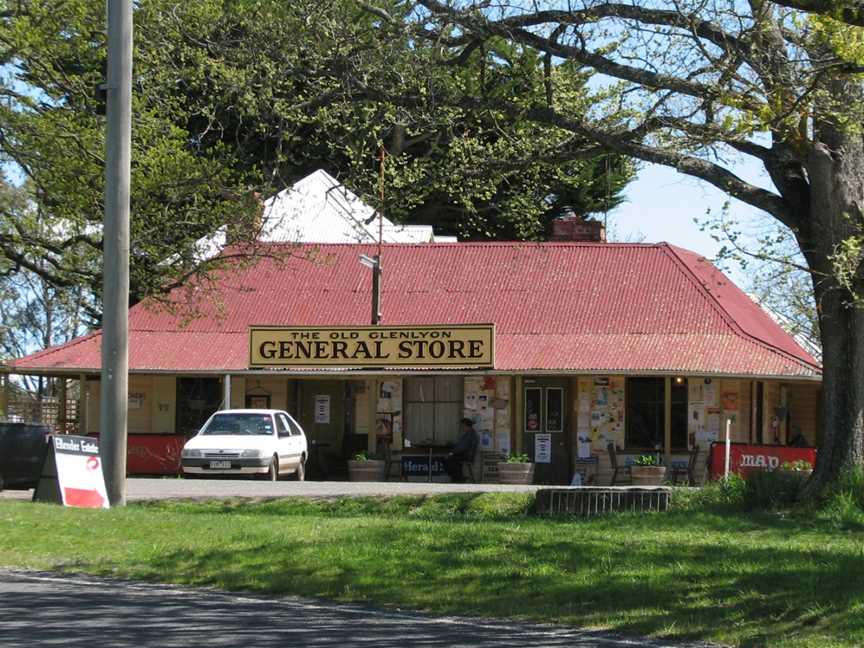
220,464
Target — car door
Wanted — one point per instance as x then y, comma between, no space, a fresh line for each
298,438
287,454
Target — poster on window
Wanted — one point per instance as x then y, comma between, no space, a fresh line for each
543,448
533,406
322,408
554,409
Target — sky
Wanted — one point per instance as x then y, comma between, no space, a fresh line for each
661,205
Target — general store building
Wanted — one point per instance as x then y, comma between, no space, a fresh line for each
647,346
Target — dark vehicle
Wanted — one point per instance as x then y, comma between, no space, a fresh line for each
22,451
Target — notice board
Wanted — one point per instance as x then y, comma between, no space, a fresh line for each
72,473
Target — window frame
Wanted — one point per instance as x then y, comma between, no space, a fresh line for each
679,408
458,401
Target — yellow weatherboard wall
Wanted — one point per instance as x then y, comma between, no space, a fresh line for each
373,346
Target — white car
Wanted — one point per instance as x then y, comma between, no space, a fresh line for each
263,442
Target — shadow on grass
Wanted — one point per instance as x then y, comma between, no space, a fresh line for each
730,578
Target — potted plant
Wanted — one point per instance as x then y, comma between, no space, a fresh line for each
800,468
646,471
366,467
517,468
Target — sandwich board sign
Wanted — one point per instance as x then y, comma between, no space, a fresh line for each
72,473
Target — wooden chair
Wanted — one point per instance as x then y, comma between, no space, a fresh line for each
385,450
691,466
613,459
489,465
688,470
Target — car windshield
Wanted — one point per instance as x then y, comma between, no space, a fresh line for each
239,424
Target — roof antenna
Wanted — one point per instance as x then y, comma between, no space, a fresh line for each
606,202
381,156
376,270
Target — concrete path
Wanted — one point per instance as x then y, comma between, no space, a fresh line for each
40,609
141,489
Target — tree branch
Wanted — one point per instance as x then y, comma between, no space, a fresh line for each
513,28
849,11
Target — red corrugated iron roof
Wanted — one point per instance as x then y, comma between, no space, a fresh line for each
569,307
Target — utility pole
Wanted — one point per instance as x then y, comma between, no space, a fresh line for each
115,284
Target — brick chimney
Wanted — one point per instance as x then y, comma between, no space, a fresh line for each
571,227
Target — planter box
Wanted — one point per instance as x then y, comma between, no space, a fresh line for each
515,473
366,471
648,475
803,475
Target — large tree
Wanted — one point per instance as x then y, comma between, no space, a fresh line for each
235,100
692,84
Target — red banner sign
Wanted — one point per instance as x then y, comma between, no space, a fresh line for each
153,454
745,458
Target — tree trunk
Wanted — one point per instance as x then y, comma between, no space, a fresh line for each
842,447
835,166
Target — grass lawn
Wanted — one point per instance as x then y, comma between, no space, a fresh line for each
758,579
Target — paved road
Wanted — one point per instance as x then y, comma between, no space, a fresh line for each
139,489
40,609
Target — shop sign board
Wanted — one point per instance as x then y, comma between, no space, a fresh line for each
745,458
433,346
72,473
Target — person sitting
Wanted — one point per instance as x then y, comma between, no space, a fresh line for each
463,451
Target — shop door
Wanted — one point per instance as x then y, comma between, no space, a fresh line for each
322,413
545,423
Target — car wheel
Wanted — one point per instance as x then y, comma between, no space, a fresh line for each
300,473
273,470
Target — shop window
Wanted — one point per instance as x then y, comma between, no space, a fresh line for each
645,417
433,408
197,400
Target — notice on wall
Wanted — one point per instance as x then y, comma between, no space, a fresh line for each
502,439
712,417
72,473
709,393
135,400
695,390
543,448
584,447
322,408
729,400
695,414
584,402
